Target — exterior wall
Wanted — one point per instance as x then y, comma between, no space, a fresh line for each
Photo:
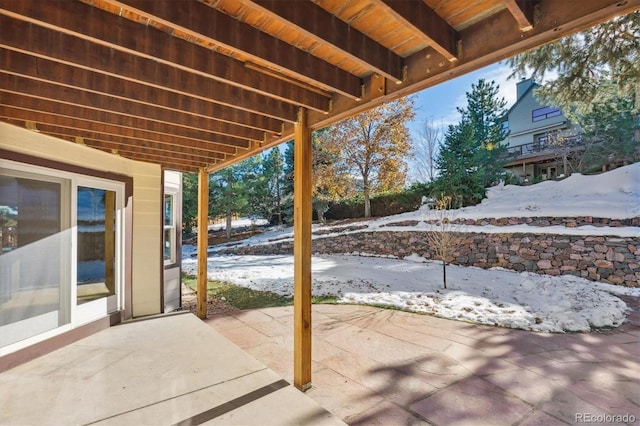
522,128
147,205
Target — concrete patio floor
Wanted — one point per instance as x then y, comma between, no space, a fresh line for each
165,370
374,366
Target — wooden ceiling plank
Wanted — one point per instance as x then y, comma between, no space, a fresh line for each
324,27
17,86
522,11
98,26
134,147
55,73
119,132
203,21
197,159
428,24
43,42
120,120
173,160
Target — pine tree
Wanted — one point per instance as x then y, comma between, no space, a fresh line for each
484,112
273,169
471,158
189,202
585,60
459,176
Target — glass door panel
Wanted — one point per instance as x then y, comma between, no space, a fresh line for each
34,262
96,252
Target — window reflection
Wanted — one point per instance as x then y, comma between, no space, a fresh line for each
34,238
96,243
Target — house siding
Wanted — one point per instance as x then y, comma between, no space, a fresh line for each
523,128
147,204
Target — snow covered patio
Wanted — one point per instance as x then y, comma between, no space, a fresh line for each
386,367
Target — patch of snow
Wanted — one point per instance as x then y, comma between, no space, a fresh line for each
495,296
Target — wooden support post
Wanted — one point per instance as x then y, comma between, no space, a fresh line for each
302,253
203,242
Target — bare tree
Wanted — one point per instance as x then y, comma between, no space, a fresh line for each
442,240
425,150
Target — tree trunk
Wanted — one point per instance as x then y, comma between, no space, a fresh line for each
444,273
320,214
367,201
229,218
278,202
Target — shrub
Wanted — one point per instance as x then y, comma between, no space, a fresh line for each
386,204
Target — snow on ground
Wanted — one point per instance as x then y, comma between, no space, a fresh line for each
614,195
243,222
495,296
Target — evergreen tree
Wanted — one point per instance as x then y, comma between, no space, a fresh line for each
610,129
238,190
583,61
287,187
273,169
471,158
459,177
189,202
485,112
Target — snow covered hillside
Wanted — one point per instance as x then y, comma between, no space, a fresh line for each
495,296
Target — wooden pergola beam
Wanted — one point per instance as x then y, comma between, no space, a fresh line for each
84,127
34,106
105,93
168,163
198,157
95,25
204,22
427,24
302,252
322,26
83,55
203,242
522,11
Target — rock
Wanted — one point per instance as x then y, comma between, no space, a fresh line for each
544,264
603,264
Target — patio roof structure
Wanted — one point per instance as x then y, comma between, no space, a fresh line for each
197,85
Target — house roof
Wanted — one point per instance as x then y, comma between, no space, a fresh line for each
194,84
522,96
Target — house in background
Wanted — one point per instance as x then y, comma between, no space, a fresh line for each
532,128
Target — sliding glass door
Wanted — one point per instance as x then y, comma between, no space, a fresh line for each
60,251
98,227
35,268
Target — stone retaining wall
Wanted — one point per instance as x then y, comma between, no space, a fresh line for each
569,222
613,260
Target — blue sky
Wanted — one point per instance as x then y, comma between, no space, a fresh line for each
439,103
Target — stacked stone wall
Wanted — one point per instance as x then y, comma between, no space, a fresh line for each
607,259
